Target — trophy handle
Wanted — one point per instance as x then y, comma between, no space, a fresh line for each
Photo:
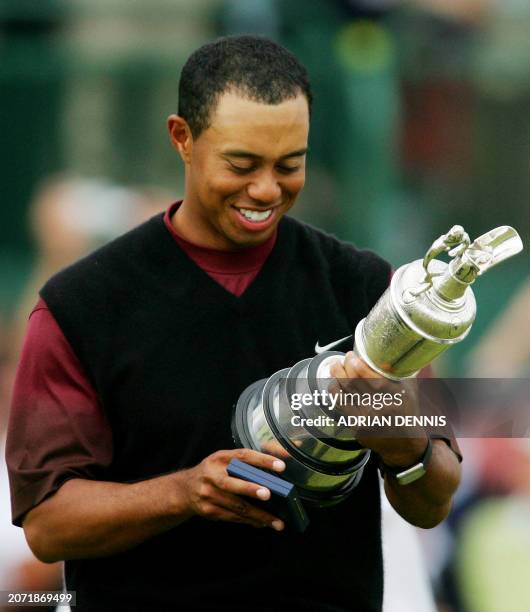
493,247
455,242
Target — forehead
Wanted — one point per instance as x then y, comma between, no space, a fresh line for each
263,129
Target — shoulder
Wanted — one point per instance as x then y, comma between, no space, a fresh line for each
126,253
341,259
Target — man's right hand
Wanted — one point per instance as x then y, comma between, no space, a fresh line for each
91,518
213,494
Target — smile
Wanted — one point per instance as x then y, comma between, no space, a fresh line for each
252,220
255,216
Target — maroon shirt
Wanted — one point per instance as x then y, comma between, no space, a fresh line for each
57,428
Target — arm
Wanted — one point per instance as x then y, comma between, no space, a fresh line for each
426,501
58,445
87,518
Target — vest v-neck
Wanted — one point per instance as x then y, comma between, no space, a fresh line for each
207,285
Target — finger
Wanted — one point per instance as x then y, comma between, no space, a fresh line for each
277,524
368,379
276,449
334,388
346,375
344,380
248,511
220,513
257,459
357,368
236,486
337,370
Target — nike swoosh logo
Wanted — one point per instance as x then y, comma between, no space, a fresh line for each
322,349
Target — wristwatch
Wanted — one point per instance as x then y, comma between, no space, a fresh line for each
406,475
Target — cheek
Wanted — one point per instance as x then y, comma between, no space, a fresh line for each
228,184
219,184
294,184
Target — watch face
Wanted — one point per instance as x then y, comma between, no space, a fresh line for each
408,475
412,474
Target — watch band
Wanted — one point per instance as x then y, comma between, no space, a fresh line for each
406,475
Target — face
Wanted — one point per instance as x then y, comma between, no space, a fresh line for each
243,173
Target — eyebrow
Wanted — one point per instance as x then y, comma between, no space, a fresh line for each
247,155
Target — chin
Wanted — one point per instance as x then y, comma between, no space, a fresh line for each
236,238
251,241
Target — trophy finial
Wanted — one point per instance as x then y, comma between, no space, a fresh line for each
476,258
492,247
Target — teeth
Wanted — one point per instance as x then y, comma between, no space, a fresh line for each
254,215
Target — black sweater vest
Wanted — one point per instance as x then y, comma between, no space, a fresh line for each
169,351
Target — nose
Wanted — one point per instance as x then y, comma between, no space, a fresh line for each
265,189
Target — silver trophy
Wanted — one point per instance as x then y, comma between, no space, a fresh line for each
428,307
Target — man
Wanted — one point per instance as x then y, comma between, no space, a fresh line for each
153,339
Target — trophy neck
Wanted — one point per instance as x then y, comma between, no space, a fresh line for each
458,276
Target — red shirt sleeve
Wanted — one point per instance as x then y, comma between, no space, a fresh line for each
57,429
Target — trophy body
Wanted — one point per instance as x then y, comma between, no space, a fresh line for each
405,332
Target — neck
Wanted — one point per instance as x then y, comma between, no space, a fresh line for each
194,229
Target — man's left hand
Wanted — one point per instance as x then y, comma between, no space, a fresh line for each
396,445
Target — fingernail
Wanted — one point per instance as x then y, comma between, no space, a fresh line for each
277,525
263,493
278,465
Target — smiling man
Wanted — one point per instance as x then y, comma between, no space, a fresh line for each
120,426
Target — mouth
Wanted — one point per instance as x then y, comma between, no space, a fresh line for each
256,216
255,220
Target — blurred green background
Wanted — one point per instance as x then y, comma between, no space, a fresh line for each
421,116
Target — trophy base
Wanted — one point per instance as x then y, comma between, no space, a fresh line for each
325,469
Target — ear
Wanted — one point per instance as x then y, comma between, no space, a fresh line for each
180,136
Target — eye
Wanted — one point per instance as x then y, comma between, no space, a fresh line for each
287,169
241,169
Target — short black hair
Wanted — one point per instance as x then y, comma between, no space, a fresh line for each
257,67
